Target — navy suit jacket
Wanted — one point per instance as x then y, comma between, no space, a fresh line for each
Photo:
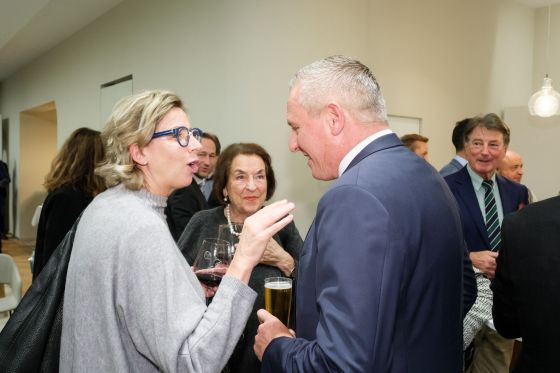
380,277
513,196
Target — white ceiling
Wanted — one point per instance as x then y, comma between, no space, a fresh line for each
29,28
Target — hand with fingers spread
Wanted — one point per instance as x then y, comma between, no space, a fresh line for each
258,229
269,329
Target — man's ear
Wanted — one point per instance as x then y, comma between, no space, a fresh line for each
137,155
335,118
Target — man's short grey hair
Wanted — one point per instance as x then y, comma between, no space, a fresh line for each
343,79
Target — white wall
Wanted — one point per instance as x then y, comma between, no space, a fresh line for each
440,60
536,139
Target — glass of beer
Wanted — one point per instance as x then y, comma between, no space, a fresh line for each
278,297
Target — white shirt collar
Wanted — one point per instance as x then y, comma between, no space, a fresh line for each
202,180
477,179
358,148
199,180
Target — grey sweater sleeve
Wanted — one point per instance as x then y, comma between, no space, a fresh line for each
163,308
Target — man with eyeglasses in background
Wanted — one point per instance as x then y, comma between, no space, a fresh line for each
484,197
183,203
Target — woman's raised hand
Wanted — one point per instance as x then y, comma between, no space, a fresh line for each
258,229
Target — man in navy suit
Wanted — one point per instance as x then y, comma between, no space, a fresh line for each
379,284
457,137
484,197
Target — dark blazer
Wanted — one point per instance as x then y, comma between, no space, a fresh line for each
380,276
513,196
527,286
182,204
451,168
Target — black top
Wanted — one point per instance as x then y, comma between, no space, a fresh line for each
204,224
60,210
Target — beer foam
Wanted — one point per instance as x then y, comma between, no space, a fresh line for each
278,285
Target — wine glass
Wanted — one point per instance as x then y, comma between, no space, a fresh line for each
212,261
225,233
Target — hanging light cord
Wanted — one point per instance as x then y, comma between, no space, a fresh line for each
548,44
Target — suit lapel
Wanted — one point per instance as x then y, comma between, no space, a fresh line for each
201,200
384,142
507,198
468,197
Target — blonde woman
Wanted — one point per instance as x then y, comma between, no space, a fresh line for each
132,303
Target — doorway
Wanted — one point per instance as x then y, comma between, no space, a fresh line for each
37,148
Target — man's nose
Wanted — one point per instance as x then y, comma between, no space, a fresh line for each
194,144
292,143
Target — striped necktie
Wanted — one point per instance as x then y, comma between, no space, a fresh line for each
492,221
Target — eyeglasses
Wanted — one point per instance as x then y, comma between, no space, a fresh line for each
182,134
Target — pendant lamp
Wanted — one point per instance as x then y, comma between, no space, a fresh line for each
545,102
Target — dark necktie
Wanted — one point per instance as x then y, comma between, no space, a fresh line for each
492,221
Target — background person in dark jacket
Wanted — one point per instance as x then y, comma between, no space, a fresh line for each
4,182
71,184
183,203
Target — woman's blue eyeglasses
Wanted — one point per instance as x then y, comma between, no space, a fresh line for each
182,134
